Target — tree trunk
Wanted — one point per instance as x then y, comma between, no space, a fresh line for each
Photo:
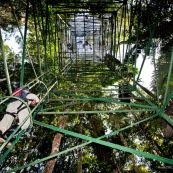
167,128
147,91
79,166
156,147
55,147
117,126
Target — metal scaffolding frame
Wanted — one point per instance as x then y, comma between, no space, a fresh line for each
90,42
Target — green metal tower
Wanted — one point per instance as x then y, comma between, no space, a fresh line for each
96,45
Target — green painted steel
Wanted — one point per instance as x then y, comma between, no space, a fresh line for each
168,78
112,145
24,40
157,82
63,106
36,34
107,100
24,46
5,63
13,143
81,145
67,63
96,112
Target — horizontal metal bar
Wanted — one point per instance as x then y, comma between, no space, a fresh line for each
62,106
88,90
78,146
108,144
108,100
84,11
96,112
79,2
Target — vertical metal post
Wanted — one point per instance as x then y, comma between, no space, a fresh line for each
168,78
55,43
37,37
5,64
77,50
24,46
94,48
115,32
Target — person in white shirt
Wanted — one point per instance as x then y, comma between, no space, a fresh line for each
16,109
